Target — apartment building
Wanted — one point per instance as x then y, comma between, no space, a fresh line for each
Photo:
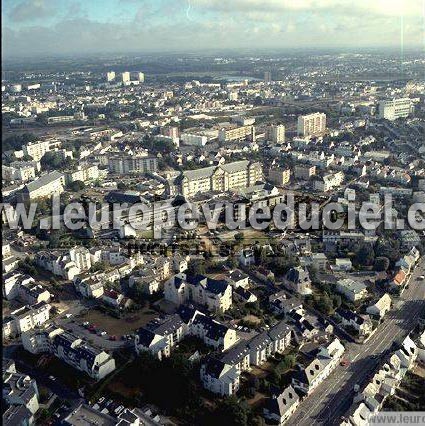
276,133
85,173
304,172
45,186
329,182
236,134
194,140
160,335
17,285
21,171
71,349
20,390
220,378
392,109
125,163
59,264
26,318
311,124
351,290
216,295
240,174
37,149
279,176
220,374
328,357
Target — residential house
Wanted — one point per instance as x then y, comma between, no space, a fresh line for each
219,378
20,390
279,408
216,295
298,279
237,278
381,307
327,358
351,290
361,323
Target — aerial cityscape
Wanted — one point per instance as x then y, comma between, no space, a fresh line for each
213,212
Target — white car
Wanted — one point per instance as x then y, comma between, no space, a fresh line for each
103,333
68,315
119,409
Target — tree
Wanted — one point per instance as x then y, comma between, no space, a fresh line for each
239,237
76,185
196,267
232,412
382,263
365,255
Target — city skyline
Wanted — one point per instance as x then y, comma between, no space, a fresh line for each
73,27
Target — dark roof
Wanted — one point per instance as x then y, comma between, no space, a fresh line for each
298,274
124,197
350,316
259,341
215,330
279,330
214,367
235,354
145,337
280,404
210,284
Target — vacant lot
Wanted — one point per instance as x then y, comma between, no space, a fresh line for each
128,322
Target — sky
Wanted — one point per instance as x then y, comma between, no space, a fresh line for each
56,27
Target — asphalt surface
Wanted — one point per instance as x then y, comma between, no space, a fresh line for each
333,397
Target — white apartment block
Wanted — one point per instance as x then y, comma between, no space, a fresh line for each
22,171
37,149
74,351
311,124
240,174
45,186
26,318
329,182
195,140
83,173
125,77
125,163
216,295
81,257
395,108
236,134
110,76
276,133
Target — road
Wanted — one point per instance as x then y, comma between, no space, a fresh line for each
332,398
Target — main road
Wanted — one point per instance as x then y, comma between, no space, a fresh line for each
333,397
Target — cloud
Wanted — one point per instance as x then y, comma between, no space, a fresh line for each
30,10
71,26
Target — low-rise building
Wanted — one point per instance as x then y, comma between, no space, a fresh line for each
71,349
381,307
216,295
279,408
351,290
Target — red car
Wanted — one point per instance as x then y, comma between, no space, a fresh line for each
113,338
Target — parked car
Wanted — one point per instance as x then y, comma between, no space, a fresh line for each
86,323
